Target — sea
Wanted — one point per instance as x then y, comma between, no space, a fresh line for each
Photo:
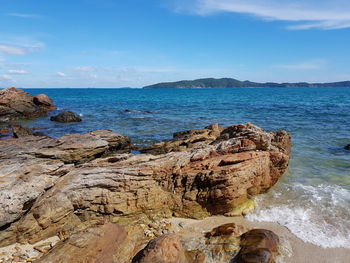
312,199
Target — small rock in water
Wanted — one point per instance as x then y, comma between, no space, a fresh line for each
66,116
347,147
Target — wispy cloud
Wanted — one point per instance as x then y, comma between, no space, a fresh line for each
305,14
19,46
17,72
12,50
306,65
61,74
23,15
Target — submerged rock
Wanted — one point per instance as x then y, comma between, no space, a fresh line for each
347,147
16,104
72,184
66,116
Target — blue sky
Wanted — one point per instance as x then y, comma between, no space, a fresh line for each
118,43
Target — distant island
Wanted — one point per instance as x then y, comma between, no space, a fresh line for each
234,83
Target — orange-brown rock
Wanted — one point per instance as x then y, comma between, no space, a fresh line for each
94,245
44,101
164,249
203,179
258,246
16,104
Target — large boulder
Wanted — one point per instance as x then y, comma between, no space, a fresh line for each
72,181
164,249
16,104
258,246
44,101
66,116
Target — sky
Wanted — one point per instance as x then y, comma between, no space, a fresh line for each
133,43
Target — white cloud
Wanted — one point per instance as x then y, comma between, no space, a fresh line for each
61,74
17,72
305,14
307,65
23,15
12,50
5,77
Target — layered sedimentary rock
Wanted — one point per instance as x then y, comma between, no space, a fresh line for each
16,104
77,180
31,165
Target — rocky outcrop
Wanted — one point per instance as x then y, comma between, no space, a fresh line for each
31,165
164,249
16,104
78,179
66,116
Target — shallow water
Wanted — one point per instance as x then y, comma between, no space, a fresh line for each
312,199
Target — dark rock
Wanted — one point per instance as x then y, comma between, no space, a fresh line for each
66,116
347,147
258,246
20,131
163,249
16,104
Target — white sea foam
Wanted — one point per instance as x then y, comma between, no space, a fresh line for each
81,115
316,214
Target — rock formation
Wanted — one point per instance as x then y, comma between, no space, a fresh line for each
66,116
16,104
78,180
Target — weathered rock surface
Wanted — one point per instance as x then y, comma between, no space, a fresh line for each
31,165
72,184
66,117
21,131
44,101
164,249
93,245
16,104
258,246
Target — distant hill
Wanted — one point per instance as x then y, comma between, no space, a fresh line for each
234,83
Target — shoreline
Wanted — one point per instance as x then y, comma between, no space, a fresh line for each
294,250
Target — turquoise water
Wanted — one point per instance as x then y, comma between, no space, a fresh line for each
313,197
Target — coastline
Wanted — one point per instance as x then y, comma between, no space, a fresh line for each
293,249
